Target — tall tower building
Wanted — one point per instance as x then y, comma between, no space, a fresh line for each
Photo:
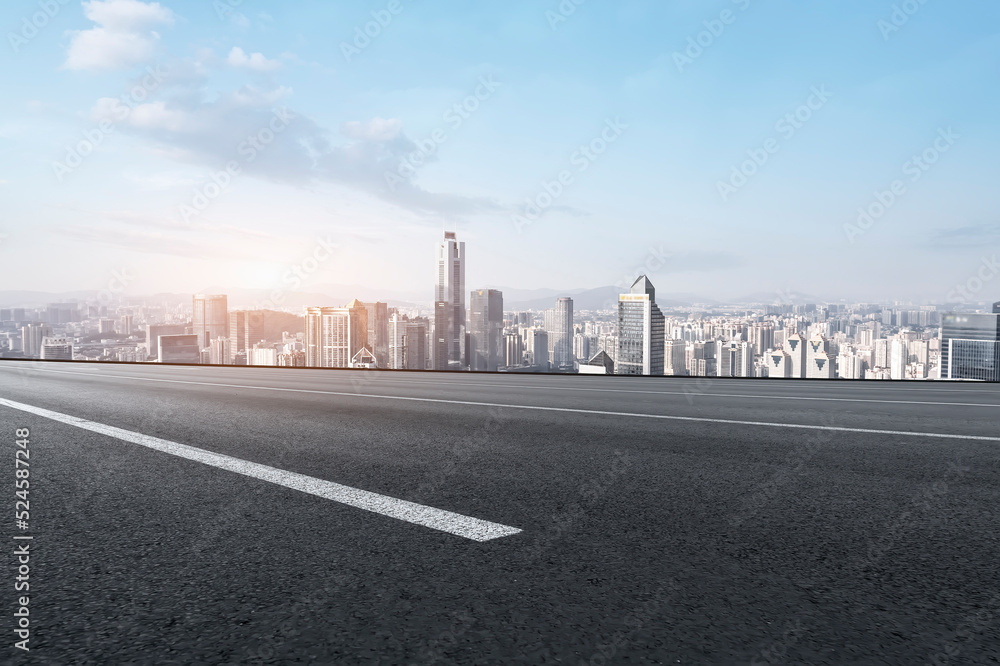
378,332
486,324
675,358
899,358
335,335
795,345
211,317
640,331
450,290
559,325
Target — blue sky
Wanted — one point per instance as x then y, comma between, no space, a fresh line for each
882,90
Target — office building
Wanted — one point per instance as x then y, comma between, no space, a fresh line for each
640,331
210,318
795,346
899,358
57,349
486,330
378,332
675,358
820,364
513,349
220,352
246,328
154,331
970,346
559,325
449,326
183,348
31,339
779,364
407,342
539,348
335,335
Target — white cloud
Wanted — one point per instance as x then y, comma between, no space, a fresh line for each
255,61
123,37
376,129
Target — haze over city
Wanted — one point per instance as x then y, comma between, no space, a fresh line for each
242,136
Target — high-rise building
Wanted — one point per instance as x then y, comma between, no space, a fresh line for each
675,358
640,331
899,358
378,332
761,336
450,289
540,348
734,359
819,362
127,324
970,346
513,349
779,364
996,308
220,354
246,328
486,330
31,339
184,348
335,335
559,324
154,331
795,346
408,339
210,318
106,325
57,349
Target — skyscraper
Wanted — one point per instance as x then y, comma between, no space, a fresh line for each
675,358
970,346
819,362
486,328
407,342
335,335
211,317
246,328
640,331
378,332
559,324
795,345
31,339
450,289
220,354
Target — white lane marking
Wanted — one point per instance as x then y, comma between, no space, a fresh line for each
698,394
569,410
418,514
461,384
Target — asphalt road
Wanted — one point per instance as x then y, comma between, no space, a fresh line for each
651,521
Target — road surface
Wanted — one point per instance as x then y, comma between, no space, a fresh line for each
239,515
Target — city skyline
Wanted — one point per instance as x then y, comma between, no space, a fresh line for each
891,145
